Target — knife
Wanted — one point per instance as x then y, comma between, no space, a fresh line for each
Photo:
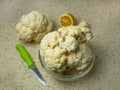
31,65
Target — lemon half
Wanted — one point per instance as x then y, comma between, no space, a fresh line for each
67,20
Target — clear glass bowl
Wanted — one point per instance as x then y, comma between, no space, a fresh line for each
73,76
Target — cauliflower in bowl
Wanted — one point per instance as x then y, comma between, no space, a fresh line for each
33,26
66,49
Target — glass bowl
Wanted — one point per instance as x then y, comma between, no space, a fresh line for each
73,76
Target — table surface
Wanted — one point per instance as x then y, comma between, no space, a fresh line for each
104,19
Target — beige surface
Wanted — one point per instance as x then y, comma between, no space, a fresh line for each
104,18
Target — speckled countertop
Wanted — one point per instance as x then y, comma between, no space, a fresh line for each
104,19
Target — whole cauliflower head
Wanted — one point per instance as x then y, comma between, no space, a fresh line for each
33,26
65,49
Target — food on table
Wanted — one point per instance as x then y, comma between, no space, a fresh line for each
33,26
66,49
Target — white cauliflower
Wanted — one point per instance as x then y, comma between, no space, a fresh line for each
66,49
69,44
33,26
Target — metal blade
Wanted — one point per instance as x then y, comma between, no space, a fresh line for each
37,75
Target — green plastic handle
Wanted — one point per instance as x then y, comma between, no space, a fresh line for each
25,55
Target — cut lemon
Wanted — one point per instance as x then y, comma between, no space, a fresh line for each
67,20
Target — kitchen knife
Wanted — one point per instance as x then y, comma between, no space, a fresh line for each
31,65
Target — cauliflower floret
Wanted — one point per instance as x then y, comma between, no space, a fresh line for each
85,29
50,40
81,58
81,32
69,44
65,49
53,54
33,26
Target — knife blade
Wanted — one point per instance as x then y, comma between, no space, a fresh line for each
31,65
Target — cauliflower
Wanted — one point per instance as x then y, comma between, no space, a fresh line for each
33,26
66,49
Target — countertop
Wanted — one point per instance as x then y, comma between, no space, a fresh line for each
104,19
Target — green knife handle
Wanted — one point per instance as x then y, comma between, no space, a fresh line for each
25,55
